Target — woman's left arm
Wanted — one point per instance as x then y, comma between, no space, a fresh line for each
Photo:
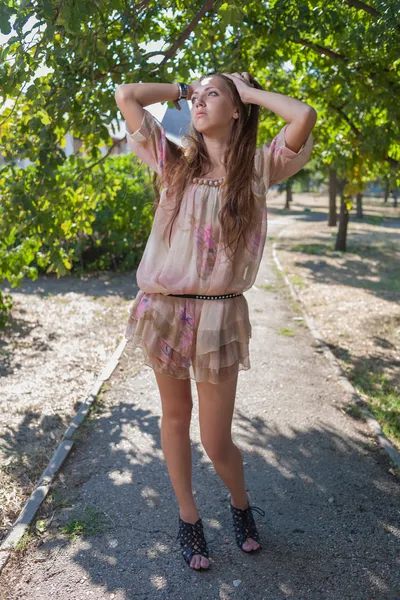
301,117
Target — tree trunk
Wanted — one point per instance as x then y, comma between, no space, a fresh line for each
387,190
343,221
332,197
359,206
395,192
289,195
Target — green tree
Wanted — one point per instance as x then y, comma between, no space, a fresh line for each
341,57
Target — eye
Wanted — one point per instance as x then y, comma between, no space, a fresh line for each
212,92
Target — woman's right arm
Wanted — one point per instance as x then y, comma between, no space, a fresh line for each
132,97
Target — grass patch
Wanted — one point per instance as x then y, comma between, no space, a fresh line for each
297,280
24,542
295,307
87,427
269,287
354,410
278,273
387,284
373,219
286,331
311,248
382,399
91,522
57,500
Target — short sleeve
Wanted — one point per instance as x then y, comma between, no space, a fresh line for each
150,143
277,162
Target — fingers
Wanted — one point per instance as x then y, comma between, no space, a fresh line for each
243,76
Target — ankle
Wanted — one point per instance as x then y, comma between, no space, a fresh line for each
241,502
189,516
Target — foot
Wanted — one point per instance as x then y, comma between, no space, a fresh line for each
249,545
198,560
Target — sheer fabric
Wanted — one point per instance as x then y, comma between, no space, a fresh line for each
206,340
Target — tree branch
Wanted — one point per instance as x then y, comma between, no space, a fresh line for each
154,53
336,56
340,110
208,5
365,7
321,50
116,143
393,163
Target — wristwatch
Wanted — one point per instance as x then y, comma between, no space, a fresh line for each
183,90
183,94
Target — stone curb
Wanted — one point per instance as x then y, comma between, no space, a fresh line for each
42,488
352,394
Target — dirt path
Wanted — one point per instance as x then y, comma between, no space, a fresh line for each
353,297
331,525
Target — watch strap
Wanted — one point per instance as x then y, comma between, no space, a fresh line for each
183,90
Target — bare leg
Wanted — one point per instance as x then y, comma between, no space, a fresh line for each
216,406
176,399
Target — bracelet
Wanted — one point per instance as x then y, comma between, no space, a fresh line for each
183,91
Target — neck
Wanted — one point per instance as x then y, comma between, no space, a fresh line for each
216,149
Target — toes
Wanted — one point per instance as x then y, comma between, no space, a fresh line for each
254,545
199,561
250,544
246,546
196,562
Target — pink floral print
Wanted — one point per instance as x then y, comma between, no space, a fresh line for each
206,340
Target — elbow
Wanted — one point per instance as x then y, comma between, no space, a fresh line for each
310,115
118,93
123,90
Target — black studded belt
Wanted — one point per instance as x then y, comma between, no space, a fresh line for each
204,297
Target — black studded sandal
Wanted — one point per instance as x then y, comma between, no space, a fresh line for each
244,525
192,541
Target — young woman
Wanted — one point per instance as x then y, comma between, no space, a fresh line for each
190,316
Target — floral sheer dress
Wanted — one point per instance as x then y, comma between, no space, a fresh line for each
205,340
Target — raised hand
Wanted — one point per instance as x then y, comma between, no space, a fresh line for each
242,83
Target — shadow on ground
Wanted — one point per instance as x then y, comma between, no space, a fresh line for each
330,531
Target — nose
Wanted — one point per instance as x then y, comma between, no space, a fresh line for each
197,101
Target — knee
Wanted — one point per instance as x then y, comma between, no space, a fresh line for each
179,421
217,450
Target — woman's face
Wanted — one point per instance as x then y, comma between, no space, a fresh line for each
212,106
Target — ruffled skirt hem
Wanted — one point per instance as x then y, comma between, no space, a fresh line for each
187,338
196,374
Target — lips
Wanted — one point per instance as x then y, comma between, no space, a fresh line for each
199,114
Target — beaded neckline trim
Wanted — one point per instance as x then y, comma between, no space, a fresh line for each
204,181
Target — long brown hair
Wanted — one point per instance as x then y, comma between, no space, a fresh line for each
238,213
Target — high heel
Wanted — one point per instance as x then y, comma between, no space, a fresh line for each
244,525
192,540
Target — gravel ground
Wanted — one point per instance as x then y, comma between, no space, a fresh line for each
61,332
331,530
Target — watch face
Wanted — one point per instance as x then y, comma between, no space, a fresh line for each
184,90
